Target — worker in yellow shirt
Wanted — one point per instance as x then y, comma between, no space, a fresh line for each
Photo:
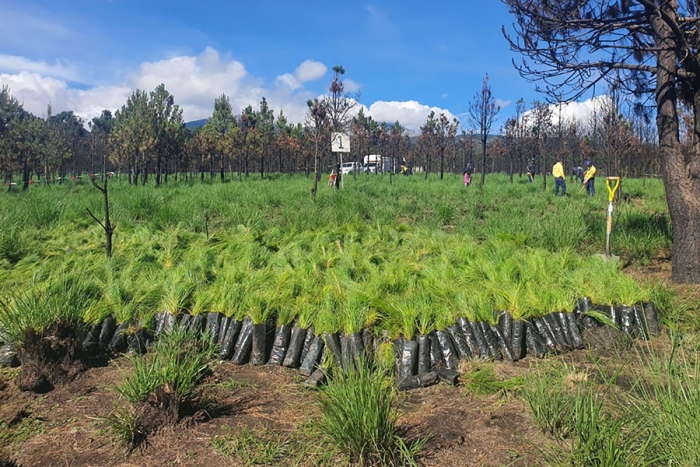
589,179
559,178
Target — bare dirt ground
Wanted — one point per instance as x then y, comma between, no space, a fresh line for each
270,410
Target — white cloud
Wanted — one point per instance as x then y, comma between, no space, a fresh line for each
16,64
35,92
351,86
411,114
444,95
196,81
309,70
287,80
581,112
502,103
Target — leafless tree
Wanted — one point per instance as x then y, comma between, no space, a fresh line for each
318,132
482,112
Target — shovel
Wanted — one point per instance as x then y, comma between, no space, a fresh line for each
612,189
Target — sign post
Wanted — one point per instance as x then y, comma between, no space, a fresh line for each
340,143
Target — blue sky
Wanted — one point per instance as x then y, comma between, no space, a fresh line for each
404,57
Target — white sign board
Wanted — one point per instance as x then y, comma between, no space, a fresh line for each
340,142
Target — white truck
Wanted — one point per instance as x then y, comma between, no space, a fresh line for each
375,162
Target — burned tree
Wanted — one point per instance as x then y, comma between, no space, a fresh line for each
318,132
107,226
482,112
446,132
649,46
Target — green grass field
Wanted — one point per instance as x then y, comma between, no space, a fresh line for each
401,257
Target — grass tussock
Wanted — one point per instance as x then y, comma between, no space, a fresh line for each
482,380
65,298
642,414
161,387
360,419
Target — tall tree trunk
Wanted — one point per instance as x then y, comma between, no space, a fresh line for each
510,169
316,174
107,225
25,174
159,170
681,179
262,165
483,161
543,166
222,169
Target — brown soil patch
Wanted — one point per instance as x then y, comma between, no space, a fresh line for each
659,270
64,427
49,359
466,430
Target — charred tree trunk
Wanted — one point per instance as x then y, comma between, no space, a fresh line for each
107,226
510,168
316,174
25,174
442,161
483,161
681,178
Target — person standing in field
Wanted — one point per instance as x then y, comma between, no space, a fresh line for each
577,174
467,179
559,178
531,170
589,179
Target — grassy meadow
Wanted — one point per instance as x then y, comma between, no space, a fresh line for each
400,258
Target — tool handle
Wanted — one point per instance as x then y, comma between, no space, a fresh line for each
612,189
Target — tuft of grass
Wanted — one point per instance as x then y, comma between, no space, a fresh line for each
12,247
44,212
253,447
551,393
359,418
179,359
65,299
597,422
122,425
482,381
668,405
177,363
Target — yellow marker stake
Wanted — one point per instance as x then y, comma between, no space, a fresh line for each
611,195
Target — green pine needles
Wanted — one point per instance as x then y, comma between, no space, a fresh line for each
373,256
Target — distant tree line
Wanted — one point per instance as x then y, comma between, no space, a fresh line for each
147,139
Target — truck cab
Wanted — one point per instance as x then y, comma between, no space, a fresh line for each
375,162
